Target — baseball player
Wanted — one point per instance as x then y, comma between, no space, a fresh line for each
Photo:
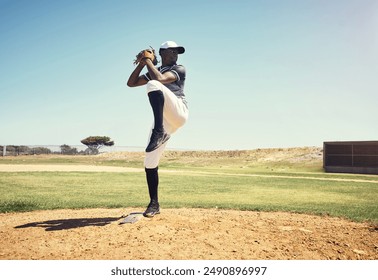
165,90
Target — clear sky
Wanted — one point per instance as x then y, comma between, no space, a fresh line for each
260,73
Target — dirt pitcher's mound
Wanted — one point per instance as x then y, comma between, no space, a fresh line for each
183,234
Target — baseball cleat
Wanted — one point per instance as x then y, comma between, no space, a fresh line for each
152,210
157,139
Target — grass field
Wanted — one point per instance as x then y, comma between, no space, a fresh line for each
263,180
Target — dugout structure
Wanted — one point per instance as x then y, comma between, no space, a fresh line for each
351,157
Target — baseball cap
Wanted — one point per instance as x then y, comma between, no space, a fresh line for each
172,45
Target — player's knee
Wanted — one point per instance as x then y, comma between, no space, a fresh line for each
151,161
153,86
150,166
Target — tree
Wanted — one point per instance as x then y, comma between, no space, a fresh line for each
67,150
95,143
40,151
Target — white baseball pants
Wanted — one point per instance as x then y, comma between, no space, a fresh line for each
175,114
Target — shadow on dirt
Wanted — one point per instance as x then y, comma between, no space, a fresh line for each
70,223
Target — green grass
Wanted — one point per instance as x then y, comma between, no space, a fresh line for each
229,180
27,191
228,188
344,199
135,161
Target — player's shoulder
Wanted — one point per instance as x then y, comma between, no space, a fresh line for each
178,68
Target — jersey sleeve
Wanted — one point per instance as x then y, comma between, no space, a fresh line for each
179,72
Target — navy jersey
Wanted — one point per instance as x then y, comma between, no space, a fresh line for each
177,87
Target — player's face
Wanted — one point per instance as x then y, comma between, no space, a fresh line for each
169,54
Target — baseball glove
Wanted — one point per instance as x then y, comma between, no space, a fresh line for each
147,53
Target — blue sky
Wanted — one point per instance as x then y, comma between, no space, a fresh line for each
260,74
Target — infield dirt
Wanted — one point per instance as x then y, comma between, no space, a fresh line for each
179,234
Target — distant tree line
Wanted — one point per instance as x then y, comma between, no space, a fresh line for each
13,150
94,144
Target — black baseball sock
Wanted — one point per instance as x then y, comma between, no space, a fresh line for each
157,103
153,183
